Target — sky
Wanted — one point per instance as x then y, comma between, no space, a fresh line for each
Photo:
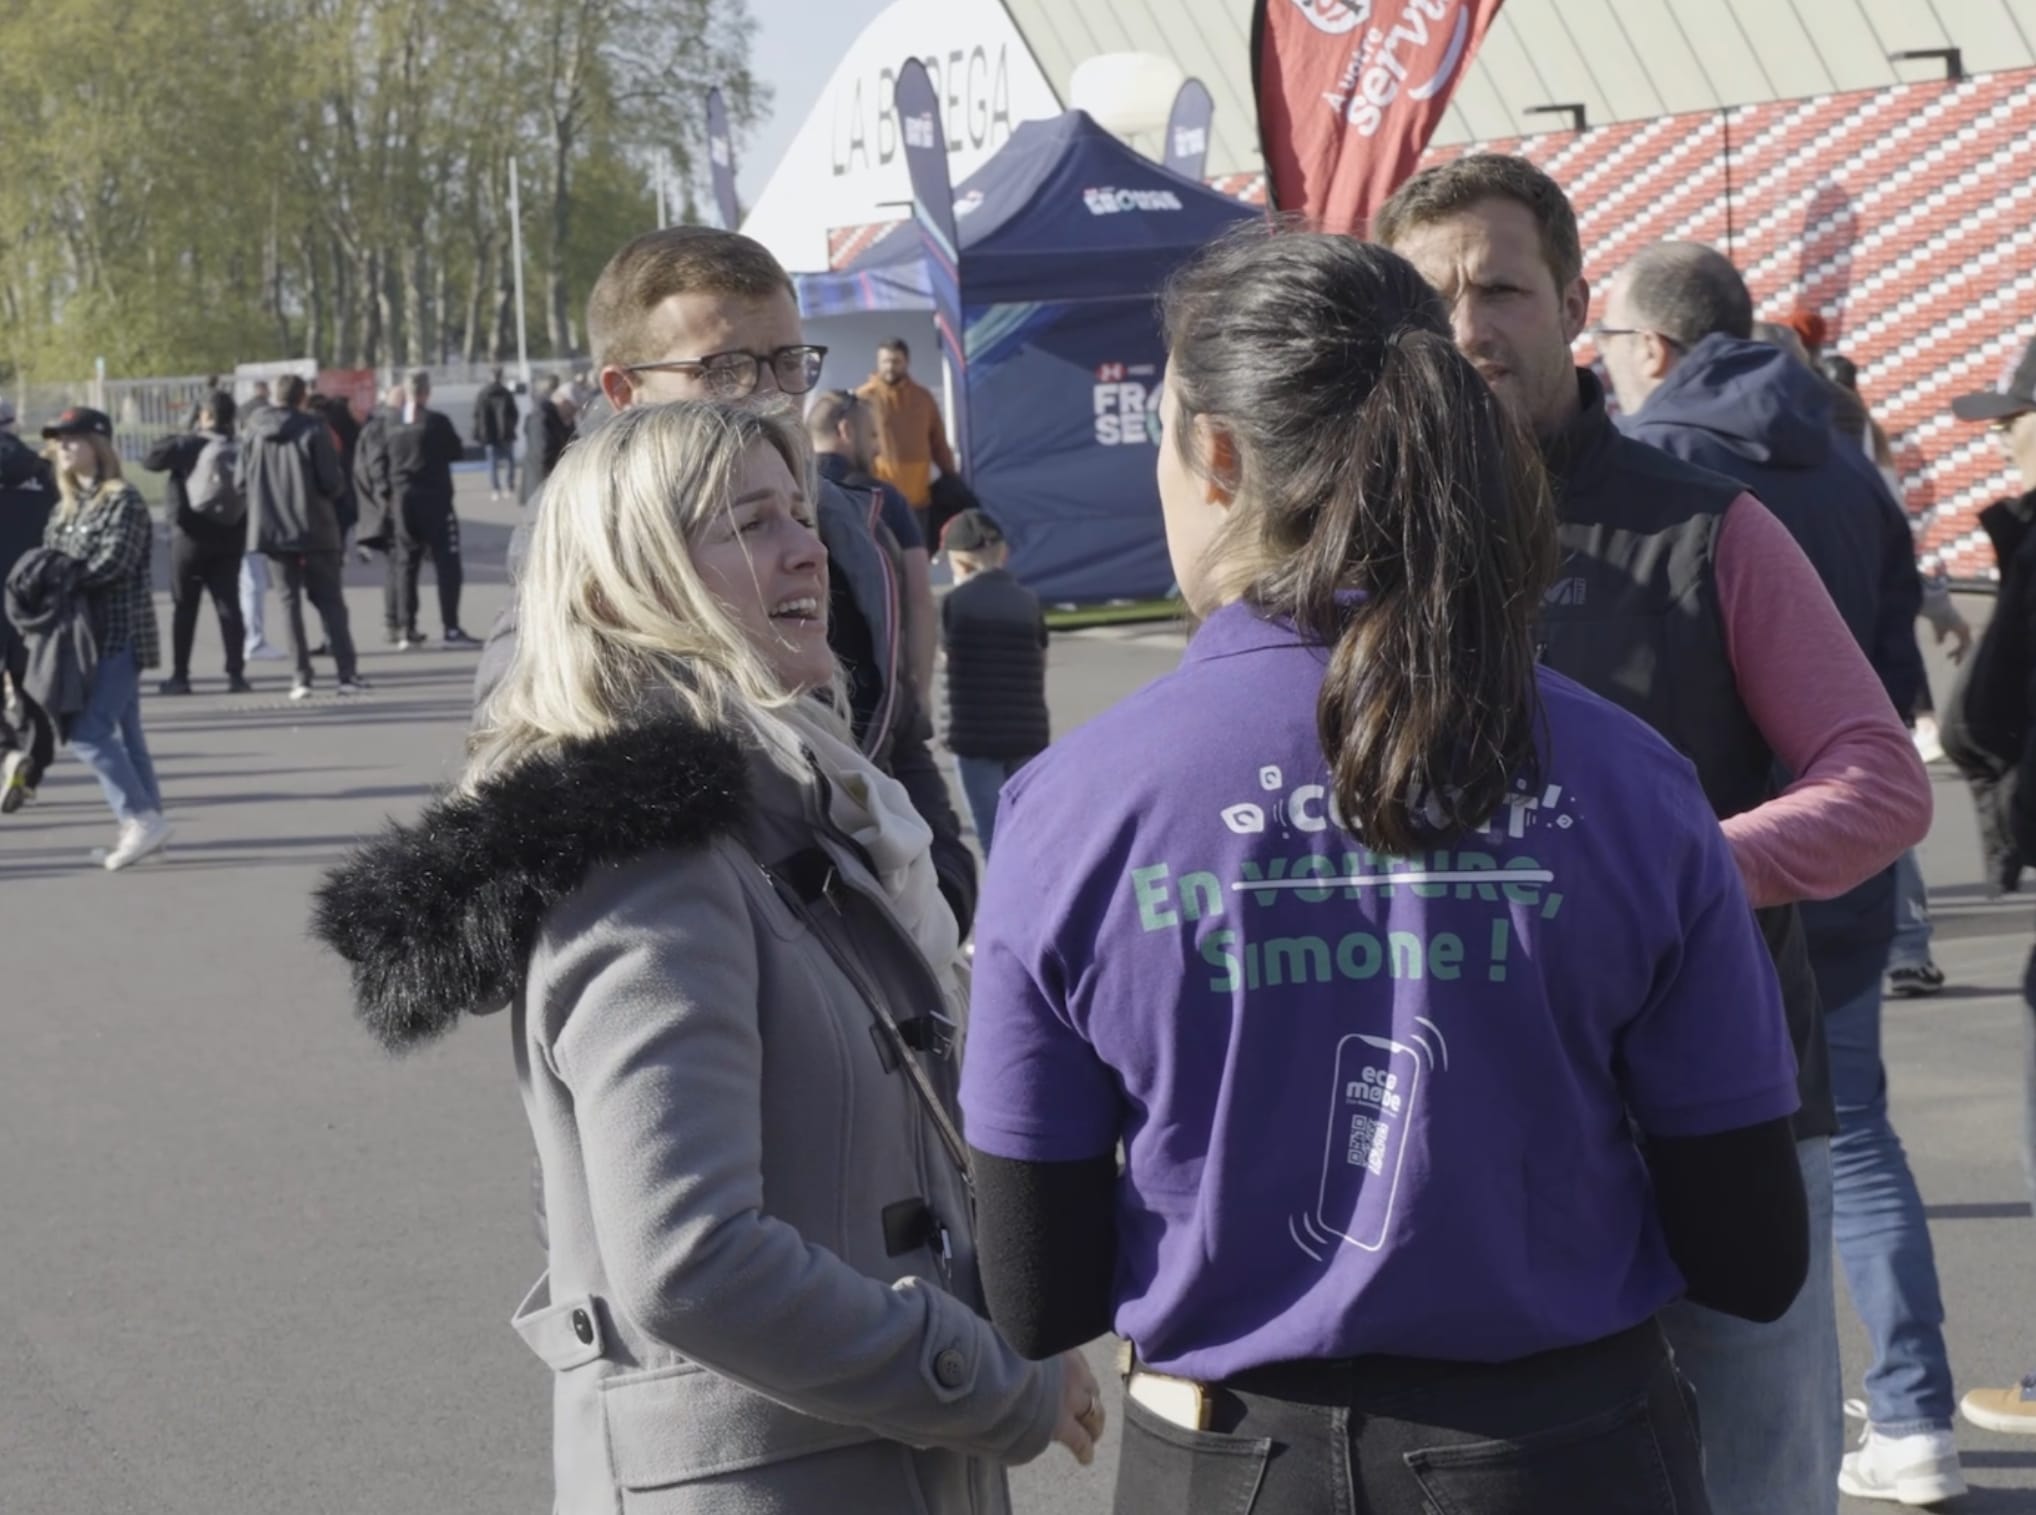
798,45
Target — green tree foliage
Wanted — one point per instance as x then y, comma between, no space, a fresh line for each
189,187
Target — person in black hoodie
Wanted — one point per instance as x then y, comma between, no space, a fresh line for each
419,447
27,495
206,545
1676,340
1989,733
495,426
290,476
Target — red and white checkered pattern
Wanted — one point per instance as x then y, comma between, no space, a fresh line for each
1905,216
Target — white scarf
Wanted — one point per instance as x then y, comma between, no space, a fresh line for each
874,810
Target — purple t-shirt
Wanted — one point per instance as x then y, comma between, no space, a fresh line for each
1368,1104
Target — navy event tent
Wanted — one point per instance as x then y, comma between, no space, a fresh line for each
1067,236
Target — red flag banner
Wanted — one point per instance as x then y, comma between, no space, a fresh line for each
1349,92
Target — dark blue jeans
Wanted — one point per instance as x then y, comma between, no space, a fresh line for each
501,459
982,780
1883,1234
107,737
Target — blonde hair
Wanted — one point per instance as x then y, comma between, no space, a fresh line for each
614,619
70,492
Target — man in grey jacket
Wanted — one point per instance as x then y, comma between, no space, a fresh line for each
290,478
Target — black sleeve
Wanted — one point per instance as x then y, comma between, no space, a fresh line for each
913,765
450,448
161,456
2022,793
1737,1222
1046,1236
1895,654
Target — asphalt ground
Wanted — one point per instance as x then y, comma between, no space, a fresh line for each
251,1264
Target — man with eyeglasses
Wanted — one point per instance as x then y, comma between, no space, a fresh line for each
1684,600
689,313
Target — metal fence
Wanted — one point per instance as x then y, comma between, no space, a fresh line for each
142,409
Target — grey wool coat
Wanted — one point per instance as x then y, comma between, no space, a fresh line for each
762,1291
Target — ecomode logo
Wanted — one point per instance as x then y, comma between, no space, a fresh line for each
1111,202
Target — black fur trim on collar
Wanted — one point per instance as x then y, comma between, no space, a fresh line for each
437,918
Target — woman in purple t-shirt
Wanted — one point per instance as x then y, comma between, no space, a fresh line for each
1416,985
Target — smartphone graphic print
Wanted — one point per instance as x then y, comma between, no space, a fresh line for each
1371,1111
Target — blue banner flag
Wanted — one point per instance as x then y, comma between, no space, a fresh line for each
933,212
1187,130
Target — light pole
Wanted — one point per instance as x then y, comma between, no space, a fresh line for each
516,265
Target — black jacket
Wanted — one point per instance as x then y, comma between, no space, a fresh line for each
346,431
545,434
24,514
289,472
371,480
995,636
1634,617
177,457
417,464
495,417
51,611
22,467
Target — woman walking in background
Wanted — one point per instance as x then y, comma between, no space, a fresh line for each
101,524
1371,944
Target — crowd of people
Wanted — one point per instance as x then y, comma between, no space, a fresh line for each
1438,1028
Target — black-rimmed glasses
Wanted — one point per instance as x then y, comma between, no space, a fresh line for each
735,375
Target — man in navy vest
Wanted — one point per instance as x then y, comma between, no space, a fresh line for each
1684,600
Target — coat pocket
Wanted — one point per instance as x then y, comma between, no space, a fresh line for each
675,1425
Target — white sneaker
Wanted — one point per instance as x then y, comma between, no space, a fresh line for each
139,837
300,692
1916,1470
262,652
1929,741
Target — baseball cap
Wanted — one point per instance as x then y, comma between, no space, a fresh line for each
2017,392
970,531
80,420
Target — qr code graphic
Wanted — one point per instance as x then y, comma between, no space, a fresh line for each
1368,1144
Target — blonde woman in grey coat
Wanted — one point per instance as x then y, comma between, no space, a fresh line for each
733,984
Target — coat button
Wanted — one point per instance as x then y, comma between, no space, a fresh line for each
950,1369
583,1326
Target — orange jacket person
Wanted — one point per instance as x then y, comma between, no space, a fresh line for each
911,437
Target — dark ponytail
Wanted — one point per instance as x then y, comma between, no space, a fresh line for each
1387,505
